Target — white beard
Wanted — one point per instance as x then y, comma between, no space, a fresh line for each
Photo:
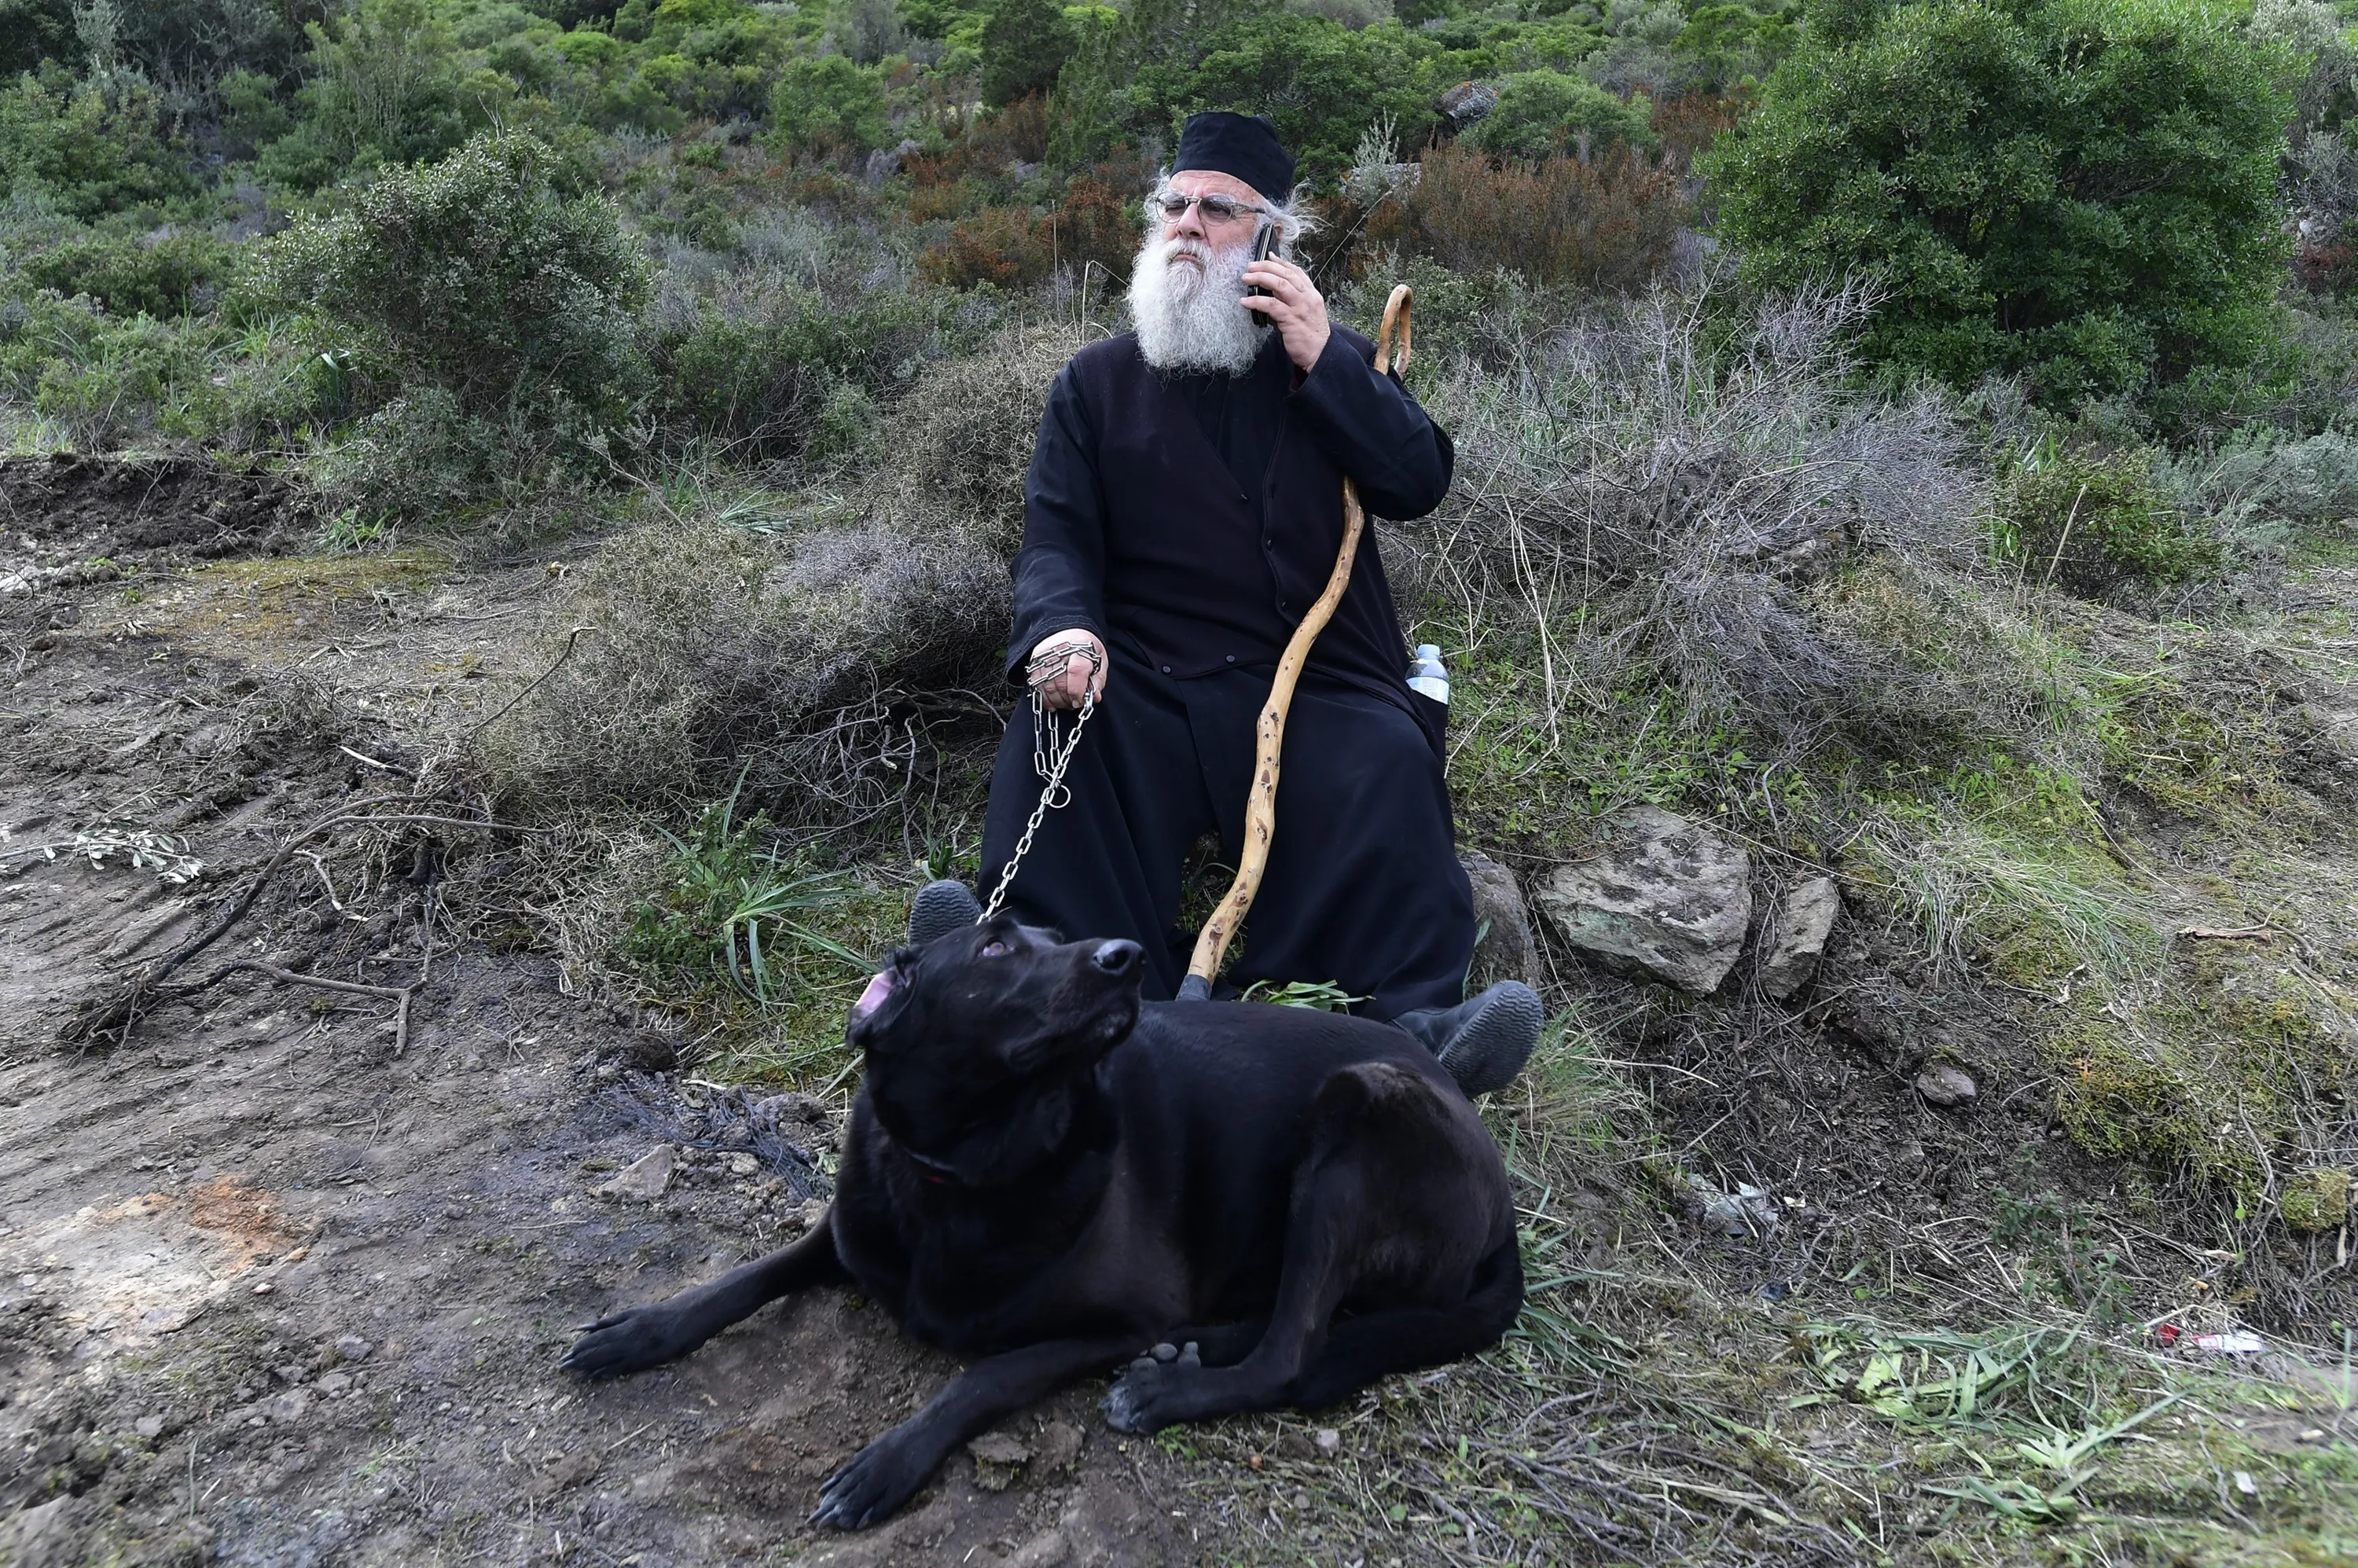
1187,315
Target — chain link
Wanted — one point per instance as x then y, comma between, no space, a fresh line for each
1050,763
1050,753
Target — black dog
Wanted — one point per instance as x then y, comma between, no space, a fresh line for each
1045,1174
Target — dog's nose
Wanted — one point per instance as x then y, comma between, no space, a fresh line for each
1116,958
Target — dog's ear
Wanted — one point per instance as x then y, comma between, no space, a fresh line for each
888,993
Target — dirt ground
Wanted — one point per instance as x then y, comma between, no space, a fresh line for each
272,1294
284,1283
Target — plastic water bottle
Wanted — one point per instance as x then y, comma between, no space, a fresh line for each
1426,674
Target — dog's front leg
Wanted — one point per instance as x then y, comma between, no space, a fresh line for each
640,1337
888,1472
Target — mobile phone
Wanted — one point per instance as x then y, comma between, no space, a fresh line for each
1265,246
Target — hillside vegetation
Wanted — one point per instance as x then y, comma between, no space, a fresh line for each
1916,444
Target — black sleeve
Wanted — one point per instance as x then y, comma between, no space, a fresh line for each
1375,431
1060,571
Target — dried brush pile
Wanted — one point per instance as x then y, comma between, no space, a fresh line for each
803,659
1653,497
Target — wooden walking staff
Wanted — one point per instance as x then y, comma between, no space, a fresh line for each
1260,806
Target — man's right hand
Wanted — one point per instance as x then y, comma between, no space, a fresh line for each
1064,689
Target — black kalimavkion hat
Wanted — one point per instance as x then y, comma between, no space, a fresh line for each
1244,146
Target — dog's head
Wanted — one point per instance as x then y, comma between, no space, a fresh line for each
970,1034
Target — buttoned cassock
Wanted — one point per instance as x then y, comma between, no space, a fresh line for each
1189,522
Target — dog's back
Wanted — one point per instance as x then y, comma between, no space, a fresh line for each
1218,1106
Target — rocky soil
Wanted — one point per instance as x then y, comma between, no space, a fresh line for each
271,1293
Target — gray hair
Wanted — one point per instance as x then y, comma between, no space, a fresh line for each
1295,221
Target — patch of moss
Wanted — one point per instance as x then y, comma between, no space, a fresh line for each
272,598
2207,1079
2316,1200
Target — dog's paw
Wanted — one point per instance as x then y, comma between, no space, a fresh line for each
629,1341
872,1486
1135,1403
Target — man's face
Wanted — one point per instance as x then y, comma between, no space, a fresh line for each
1206,233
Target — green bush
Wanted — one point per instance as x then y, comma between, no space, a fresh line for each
87,151
1322,84
2080,191
2096,524
1545,113
765,378
33,32
173,277
384,84
829,105
1024,45
486,274
98,382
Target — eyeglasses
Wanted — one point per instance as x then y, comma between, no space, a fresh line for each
1216,209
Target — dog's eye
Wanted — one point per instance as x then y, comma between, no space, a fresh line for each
994,949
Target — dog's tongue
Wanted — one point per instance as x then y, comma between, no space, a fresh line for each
878,987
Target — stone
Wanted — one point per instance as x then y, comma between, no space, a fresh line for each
1747,1211
743,1165
1946,1084
651,1051
569,1471
1467,104
2315,1201
1667,898
644,1178
352,1347
1059,1444
1505,951
997,1456
1797,937
150,1426
1329,1441
334,1385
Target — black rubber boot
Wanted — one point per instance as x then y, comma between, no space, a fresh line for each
1484,1040
941,908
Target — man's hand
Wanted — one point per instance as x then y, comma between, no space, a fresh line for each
1294,305
1063,688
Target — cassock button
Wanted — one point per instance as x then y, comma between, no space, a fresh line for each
1166,669
1232,658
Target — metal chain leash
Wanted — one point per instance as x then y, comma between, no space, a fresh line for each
1051,755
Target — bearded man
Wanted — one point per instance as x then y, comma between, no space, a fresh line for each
1182,511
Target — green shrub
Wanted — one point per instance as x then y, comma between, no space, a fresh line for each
384,84
1322,84
34,32
173,277
1024,45
486,274
829,105
2080,191
1545,113
87,151
99,382
2094,525
761,374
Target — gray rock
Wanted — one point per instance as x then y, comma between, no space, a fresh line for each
352,1347
1466,104
1668,898
1329,1441
1945,1082
643,1179
1060,1445
1797,938
998,1456
1747,1211
1505,951
150,1426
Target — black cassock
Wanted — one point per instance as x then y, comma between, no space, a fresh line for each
1189,522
